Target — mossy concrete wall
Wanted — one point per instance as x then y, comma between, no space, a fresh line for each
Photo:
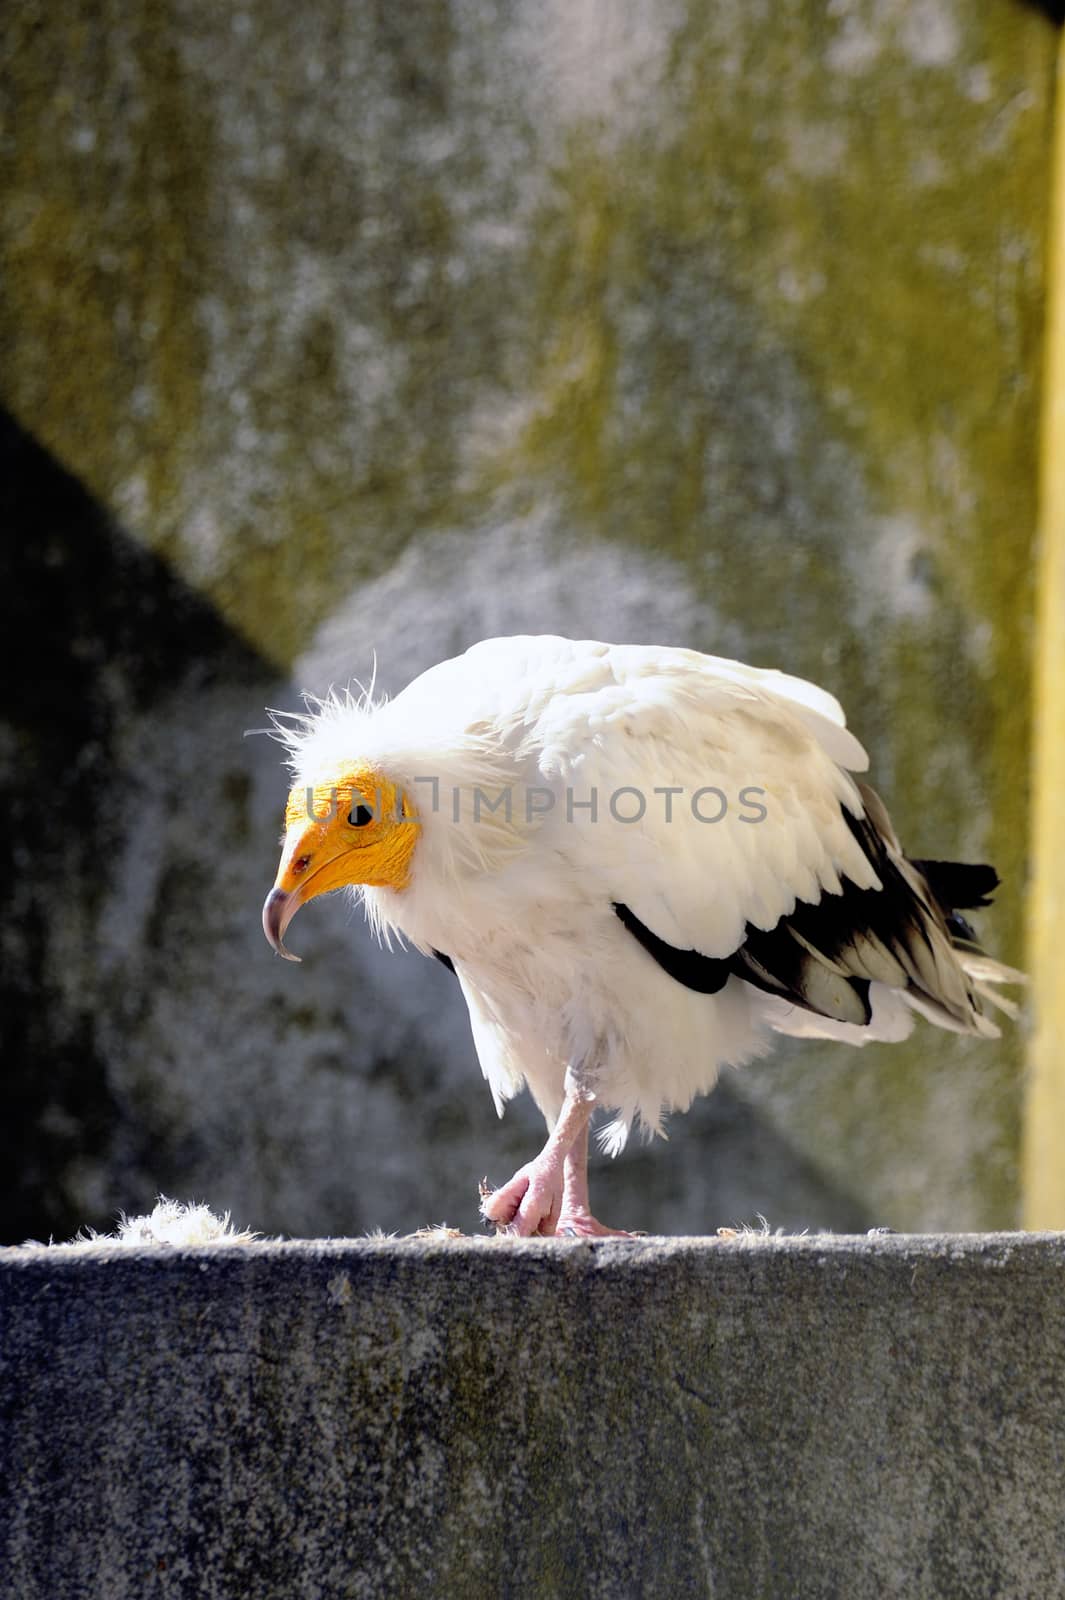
359,328
754,1420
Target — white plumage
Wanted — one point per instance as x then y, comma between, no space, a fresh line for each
639,861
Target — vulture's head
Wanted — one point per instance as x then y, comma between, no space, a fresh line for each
405,801
349,827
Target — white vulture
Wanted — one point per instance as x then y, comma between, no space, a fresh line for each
637,861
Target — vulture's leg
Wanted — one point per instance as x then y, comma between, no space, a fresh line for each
551,1192
531,1201
576,1214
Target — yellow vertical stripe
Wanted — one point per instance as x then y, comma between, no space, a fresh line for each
1044,1130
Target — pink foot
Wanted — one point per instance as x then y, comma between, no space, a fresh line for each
528,1204
582,1225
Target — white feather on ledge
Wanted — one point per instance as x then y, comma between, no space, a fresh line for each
172,1223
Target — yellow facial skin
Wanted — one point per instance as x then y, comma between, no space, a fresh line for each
338,844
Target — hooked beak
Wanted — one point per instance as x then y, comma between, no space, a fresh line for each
279,908
315,859
338,850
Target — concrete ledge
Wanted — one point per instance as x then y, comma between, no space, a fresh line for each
766,1417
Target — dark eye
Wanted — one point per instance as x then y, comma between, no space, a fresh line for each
360,816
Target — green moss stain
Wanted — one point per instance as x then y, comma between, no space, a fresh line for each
105,253
157,330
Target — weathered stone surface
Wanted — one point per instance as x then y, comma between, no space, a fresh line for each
383,328
755,1420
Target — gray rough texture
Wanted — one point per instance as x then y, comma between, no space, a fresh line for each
825,1418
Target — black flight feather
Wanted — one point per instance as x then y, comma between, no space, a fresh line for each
959,885
824,954
704,974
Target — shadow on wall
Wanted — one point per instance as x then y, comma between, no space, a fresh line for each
98,631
